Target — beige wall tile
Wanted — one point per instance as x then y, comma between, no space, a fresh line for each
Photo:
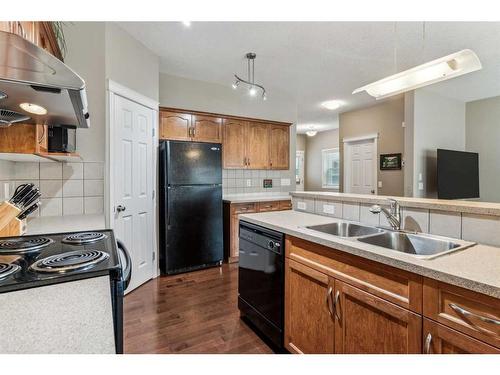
73,206
73,171
366,217
50,171
27,171
51,188
93,205
73,188
51,207
415,219
482,229
93,171
326,208
444,223
305,205
350,211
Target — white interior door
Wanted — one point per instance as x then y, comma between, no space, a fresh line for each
360,166
132,170
299,170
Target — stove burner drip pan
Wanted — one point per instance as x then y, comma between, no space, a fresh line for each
71,261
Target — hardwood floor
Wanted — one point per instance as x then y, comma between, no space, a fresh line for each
194,312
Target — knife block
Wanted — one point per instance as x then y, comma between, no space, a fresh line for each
16,227
8,212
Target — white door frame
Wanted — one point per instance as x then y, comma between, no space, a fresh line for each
114,89
347,158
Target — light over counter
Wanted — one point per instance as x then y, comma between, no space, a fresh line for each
247,143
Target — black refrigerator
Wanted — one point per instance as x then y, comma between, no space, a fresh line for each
190,206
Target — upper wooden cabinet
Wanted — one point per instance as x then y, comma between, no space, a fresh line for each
206,129
234,144
187,127
257,146
279,149
246,143
175,126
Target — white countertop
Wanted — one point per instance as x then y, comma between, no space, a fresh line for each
256,197
61,224
475,268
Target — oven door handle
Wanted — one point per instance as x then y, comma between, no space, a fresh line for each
127,271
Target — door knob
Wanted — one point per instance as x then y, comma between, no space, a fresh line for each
120,208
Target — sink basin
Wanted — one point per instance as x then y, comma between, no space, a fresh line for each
420,245
343,229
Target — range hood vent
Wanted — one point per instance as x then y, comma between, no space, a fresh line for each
8,117
31,76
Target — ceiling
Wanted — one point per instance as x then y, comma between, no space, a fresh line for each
317,61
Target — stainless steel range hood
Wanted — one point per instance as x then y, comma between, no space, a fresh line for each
31,75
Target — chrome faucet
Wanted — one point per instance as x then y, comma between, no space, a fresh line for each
393,216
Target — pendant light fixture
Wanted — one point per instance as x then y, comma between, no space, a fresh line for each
253,88
444,68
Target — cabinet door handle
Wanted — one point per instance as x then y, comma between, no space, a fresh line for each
427,344
335,304
329,302
467,314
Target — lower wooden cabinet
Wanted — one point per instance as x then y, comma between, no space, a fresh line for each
366,324
309,327
439,339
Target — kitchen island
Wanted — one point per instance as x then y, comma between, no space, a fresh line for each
345,296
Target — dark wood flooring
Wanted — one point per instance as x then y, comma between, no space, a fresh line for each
194,312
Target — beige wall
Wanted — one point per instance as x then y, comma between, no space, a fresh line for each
482,129
313,168
386,119
301,142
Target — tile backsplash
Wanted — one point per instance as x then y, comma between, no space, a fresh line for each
239,181
69,188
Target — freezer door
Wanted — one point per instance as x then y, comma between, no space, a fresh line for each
194,227
194,163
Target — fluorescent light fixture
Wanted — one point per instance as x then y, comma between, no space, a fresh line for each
33,108
332,104
451,66
186,23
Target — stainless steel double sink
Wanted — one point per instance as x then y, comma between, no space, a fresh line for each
417,244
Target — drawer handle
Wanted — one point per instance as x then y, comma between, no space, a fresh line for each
329,302
467,314
427,345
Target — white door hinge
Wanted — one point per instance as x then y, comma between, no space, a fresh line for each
153,195
154,255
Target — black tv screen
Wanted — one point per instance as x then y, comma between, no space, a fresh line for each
457,174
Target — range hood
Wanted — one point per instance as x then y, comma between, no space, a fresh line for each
38,88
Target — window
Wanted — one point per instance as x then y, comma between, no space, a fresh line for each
331,168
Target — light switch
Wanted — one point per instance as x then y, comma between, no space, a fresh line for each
380,184
420,176
285,182
329,209
301,205
6,190
249,182
420,186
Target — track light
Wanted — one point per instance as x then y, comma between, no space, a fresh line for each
235,85
250,82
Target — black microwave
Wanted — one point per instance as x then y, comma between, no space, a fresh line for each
62,138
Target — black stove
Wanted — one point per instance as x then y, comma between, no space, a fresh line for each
36,261
50,259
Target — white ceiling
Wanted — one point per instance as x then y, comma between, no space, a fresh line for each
318,61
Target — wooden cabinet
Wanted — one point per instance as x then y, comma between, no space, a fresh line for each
439,339
232,222
206,129
279,148
234,144
175,126
367,324
309,325
257,146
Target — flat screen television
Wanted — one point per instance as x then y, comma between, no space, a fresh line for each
457,174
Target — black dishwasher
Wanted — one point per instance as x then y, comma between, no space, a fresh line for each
261,280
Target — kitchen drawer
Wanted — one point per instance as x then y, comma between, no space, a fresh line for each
269,206
474,314
286,205
397,286
244,208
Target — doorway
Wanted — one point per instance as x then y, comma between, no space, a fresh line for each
299,170
360,165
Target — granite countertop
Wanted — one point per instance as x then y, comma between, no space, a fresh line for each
467,206
61,224
255,197
475,268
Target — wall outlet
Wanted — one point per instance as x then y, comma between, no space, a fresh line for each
285,182
301,205
6,190
380,184
249,182
420,186
329,209
267,183
420,176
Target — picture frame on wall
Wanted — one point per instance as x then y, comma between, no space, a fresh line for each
390,162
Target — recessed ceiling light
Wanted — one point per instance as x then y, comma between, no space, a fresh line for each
186,23
454,65
311,132
33,108
332,104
